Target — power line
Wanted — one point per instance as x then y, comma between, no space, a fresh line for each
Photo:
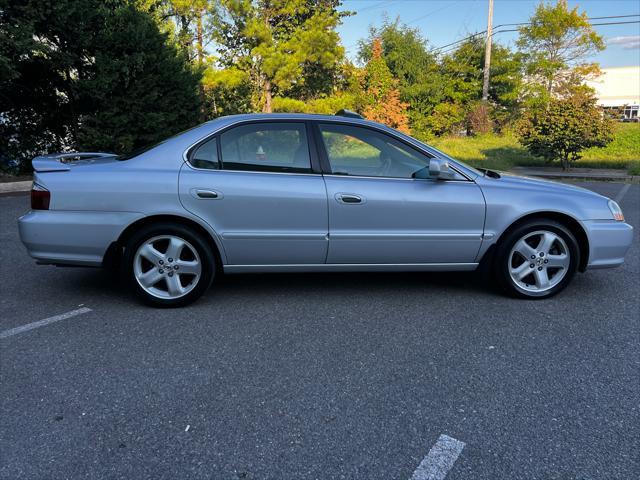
497,27
516,30
421,17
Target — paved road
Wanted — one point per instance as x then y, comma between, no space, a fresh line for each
318,376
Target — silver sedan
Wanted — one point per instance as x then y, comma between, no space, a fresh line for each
309,193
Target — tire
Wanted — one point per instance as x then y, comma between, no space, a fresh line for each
159,279
537,259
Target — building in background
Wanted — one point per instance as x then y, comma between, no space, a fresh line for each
618,92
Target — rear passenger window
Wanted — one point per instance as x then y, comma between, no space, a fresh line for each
206,155
267,147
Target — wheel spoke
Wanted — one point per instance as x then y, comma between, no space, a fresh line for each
546,242
151,254
150,278
524,249
521,271
542,279
173,286
189,268
175,248
561,261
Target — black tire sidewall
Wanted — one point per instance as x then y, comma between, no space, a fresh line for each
504,249
186,233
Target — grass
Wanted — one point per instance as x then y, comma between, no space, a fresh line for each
501,152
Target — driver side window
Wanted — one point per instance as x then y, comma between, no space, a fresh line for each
365,152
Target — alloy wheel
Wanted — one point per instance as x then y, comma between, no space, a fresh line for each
167,267
539,261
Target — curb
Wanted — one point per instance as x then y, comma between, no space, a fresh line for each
621,176
14,187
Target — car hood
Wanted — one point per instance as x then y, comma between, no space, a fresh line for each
519,181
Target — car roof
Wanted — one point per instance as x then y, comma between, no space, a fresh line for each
199,132
293,116
178,145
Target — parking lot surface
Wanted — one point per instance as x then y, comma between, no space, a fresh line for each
323,376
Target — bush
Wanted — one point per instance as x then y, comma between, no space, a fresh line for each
478,119
564,129
446,118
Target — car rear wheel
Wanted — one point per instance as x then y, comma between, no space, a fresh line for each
537,260
168,265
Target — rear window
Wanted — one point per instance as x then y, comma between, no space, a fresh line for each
270,147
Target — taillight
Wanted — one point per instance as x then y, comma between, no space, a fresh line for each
40,197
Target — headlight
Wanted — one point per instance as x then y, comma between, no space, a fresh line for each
616,211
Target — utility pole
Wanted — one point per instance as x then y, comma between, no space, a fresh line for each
487,54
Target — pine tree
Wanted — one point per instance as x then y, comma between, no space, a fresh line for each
279,44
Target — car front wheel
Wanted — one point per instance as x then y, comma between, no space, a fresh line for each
168,265
537,260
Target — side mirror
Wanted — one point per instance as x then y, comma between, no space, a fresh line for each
440,169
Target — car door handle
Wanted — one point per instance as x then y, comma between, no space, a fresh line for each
207,194
348,198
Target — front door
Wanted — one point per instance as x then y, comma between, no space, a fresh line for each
255,186
380,214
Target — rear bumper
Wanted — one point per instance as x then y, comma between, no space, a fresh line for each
608,242
71,238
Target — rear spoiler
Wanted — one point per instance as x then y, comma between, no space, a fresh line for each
60,162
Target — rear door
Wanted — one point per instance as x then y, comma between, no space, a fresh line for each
255,184
379,213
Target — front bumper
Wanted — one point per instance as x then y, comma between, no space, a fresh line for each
609,241
71,238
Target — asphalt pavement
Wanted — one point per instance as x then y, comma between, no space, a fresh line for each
322,376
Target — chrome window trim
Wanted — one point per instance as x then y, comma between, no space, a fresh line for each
254,172
237,123
424,149
430,180
399,137
314,174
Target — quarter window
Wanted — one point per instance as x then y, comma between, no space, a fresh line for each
274,147
366,152
206,155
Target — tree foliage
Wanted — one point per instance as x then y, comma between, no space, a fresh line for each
381,98
281,45
416,70
88,74
555,44
565,128
426,81
116,74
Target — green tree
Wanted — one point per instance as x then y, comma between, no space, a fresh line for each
566,127
555,45
139,90
425,81
187,22
87,73
277,42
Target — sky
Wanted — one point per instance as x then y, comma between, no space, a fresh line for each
443,22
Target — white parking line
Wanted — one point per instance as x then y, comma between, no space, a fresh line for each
622,193
42,323
439,460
